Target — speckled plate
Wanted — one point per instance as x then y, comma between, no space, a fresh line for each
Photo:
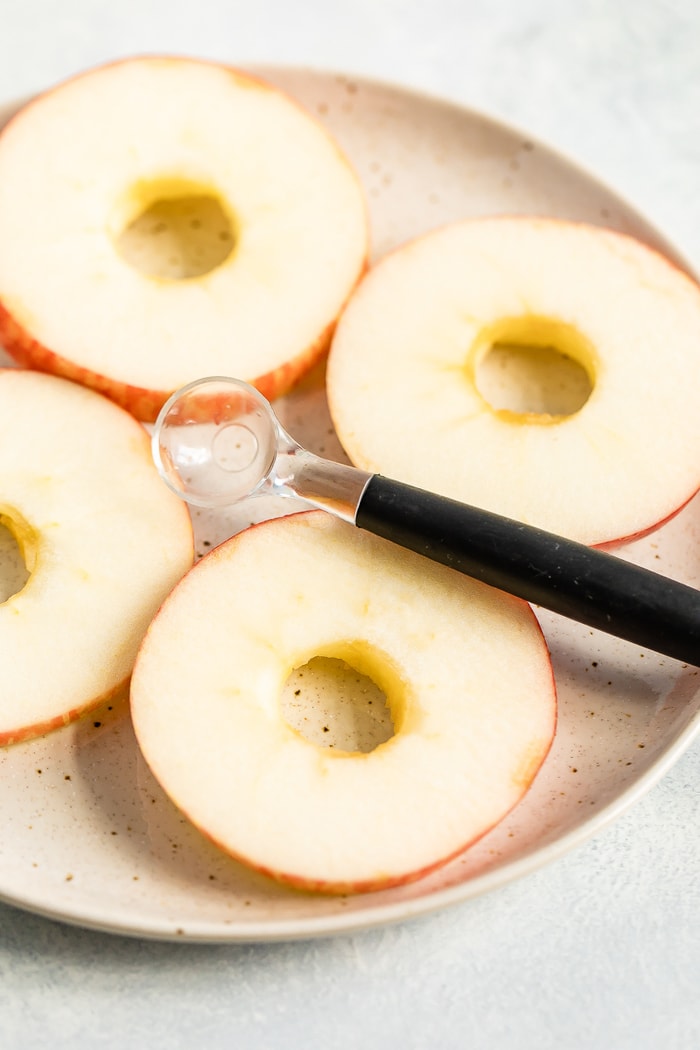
88,836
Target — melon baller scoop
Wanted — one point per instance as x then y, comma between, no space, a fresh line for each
217,442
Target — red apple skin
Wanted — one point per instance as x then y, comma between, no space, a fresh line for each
142,402
613,545
30,732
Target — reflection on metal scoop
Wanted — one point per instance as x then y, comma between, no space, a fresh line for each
217,442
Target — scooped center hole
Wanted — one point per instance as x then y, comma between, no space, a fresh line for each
332,704
534,369
14,571
174,232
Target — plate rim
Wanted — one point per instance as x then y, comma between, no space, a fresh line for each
282,931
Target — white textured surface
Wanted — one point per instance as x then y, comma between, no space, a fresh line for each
599,950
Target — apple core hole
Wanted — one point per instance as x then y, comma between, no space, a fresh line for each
177,237
14,571
332,704
534,370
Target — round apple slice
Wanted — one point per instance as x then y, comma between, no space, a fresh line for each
102,541
464,669
541,369
167,218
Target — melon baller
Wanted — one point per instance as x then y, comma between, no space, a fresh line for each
217,442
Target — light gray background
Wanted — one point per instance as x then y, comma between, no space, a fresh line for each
600,950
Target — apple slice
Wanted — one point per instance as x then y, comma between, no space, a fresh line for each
102,541
167,218
541,369
464,668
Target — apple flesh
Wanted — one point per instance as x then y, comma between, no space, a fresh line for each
167,218
414,395
464,668
102,541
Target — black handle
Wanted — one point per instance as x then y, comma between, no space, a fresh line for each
569,578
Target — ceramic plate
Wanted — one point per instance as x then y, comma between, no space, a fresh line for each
88,836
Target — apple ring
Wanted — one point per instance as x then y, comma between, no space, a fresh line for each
464,668
102,539
167,218
405,367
